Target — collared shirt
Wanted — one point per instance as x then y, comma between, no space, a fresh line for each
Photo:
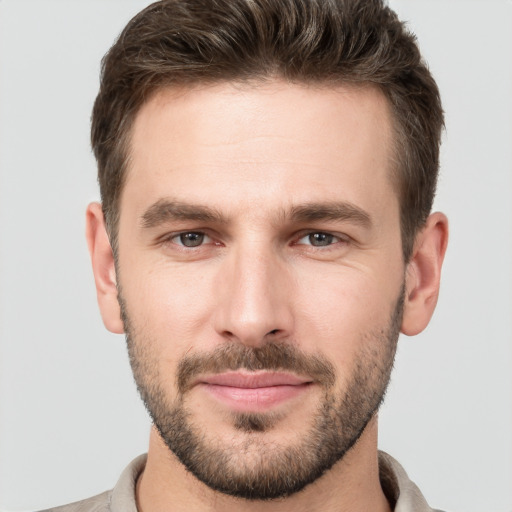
401,492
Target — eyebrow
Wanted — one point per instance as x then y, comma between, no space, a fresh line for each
166,210
336,211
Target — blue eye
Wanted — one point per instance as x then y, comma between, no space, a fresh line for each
191,239
319,239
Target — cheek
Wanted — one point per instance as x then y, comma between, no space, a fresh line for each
341,311
167,307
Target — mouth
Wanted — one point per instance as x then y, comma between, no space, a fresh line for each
260,391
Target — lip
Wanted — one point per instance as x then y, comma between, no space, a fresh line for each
253,391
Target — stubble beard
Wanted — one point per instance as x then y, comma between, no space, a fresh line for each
254,468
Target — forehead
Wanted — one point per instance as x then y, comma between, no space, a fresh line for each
289,143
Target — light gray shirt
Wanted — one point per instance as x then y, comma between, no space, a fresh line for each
401,492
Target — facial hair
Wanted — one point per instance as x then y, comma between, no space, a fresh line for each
255,468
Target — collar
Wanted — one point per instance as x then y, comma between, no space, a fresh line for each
402,493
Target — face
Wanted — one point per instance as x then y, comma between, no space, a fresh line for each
260,277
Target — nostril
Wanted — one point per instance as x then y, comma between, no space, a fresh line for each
274,331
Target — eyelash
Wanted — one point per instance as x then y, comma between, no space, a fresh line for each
179,236
332,239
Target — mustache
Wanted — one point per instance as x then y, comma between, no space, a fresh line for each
272,356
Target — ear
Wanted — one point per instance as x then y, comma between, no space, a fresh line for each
103,267
423,274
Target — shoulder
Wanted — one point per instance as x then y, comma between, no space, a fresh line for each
99,503
400,490
120,499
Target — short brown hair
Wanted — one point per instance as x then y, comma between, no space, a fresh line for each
180,42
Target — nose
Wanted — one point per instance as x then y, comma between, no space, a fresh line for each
254,301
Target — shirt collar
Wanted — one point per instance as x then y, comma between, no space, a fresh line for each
401,492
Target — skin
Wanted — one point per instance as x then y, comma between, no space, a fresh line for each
253,154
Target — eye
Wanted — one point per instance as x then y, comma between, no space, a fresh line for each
191,239
319,239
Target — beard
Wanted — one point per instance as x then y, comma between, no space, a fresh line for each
253,467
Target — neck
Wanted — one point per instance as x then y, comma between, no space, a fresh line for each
352,484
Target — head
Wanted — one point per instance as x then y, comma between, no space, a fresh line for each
267,170
314,42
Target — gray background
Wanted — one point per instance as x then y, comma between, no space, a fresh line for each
70,418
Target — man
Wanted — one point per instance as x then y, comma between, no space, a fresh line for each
267,170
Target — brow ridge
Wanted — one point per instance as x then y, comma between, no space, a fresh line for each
336,211
167,210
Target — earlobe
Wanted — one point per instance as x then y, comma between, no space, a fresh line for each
103,266
423,274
